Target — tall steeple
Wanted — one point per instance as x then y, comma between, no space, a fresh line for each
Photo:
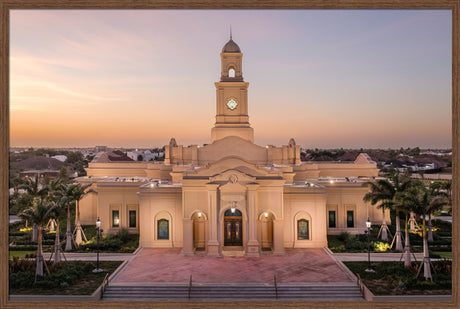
231,96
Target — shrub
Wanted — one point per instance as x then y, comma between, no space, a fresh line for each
21,265
18,233
21,279
344,236
381,246
123,235
22,248
443,266
355,245
62,274
107,244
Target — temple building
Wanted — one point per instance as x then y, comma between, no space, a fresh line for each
230,195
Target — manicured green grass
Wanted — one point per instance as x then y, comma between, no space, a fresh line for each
391,278
20,254
444,255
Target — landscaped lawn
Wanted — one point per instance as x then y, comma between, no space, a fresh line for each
444,254
73,278
391,278
20,254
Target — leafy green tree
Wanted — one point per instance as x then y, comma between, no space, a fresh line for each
74,157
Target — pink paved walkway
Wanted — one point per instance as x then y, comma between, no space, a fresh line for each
166,265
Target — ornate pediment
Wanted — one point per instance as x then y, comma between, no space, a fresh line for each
232,163
233,176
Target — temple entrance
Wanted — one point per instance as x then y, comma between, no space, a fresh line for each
233,228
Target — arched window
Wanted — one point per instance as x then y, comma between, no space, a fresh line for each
163,229
231,72
302,229
233,212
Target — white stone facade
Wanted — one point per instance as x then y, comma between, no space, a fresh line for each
231,194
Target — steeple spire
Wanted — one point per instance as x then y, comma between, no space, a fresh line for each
230,32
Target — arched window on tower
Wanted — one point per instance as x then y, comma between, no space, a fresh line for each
231,72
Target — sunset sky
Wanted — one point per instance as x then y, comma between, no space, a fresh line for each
136,78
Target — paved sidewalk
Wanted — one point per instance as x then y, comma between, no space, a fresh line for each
72,256
375,257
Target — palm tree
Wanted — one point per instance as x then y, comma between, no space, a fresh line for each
39,215
69,191
381,193
435,190
407,207
422,201
57,195
400,184
76,192
34,188
385,191
446,186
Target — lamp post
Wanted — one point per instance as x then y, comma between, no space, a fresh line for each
98,234
368,225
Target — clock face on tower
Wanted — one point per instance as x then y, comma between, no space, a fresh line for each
232,104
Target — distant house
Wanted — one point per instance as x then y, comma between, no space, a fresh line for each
146,155
61,158
100,149
110,157
41,173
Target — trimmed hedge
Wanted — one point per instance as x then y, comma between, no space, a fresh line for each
65,274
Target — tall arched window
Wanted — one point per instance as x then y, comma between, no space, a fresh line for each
163,229
231,72
302,229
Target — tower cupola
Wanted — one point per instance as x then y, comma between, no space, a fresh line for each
231,58
232,117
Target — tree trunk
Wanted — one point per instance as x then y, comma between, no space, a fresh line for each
57,245
407,251
412,221
34,233
39,268
78,238
430,229
383,230
399,246
52,225
426,254
68,234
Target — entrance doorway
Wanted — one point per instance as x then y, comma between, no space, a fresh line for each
199,231
233,228
266,231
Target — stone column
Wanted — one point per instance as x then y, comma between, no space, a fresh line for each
278,237
187,247
213,210
252,247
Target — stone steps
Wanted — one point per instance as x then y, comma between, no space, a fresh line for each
234,292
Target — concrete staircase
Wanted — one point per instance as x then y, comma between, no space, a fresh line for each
224,292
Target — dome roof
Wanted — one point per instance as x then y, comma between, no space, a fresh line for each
231,47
